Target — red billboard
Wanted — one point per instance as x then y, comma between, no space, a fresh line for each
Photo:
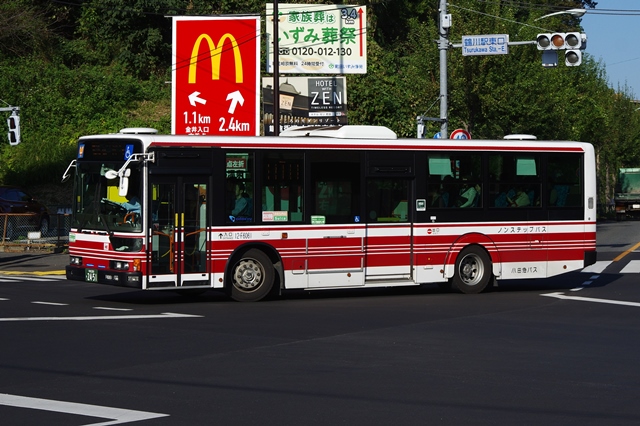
215,76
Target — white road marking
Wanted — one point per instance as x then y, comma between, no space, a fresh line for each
597,267
3,299
102,317
633,267
105,308
116,415
591,299
50,303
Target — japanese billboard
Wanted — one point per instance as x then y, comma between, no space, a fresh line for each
319,39
215,77
306,101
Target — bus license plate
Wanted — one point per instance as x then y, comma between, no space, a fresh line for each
91,275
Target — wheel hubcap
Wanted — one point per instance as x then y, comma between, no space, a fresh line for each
471,270
248,275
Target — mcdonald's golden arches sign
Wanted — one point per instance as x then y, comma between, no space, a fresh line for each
215,78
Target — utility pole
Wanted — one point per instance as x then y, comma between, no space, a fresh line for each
443,46
276,70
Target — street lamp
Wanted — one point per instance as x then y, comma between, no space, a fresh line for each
575,12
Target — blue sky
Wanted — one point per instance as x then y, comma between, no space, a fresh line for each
613,30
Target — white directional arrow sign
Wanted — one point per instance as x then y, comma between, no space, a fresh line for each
236,98
116,415
193,98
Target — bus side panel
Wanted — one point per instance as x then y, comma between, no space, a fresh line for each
430,248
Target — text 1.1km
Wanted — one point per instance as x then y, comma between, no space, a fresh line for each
196,118
234,125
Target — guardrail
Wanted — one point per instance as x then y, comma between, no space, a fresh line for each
25,231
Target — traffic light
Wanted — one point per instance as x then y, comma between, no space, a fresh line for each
573,43
14,128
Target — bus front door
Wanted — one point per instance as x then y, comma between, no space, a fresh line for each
178,232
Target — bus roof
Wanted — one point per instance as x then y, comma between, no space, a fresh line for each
342,132
346,137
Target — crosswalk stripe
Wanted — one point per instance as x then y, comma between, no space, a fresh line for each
633,267
598,267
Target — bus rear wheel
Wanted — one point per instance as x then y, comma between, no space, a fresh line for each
252,277
473,271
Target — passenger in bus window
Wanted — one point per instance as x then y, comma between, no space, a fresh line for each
469,196
503,197
521,199
243,205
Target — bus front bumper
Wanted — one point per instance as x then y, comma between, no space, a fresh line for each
119,278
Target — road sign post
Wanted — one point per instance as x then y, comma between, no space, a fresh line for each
215,78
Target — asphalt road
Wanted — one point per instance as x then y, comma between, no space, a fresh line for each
561,351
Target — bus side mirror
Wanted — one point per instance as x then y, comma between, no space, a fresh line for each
123,187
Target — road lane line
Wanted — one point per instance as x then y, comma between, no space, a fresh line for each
50,303
591,299
102,317
117,416
106,308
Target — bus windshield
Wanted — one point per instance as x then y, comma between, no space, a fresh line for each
98,206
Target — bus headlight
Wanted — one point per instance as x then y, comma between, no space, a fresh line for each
119,265
75,260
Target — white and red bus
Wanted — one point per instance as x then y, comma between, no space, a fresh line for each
322,208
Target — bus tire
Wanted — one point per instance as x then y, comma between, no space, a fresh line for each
473,270
252,277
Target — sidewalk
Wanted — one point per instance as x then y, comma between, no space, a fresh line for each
33,263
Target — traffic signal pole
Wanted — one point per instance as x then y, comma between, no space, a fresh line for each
575,42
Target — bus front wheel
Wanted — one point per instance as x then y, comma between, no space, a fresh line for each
473,270
252,277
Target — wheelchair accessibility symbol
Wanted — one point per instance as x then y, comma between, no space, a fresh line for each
128,152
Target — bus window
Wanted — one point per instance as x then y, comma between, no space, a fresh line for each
454,180
239,194
514,180
388,200
565,186
335,182
282,188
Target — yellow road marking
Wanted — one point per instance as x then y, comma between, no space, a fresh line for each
621,255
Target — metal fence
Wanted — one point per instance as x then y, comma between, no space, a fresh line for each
23,231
